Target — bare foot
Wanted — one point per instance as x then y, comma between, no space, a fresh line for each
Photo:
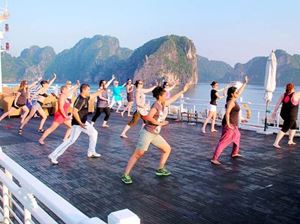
291,143
203,130
214,130
236,155
122,114
277,146
41,142
105,126
215,162
129,115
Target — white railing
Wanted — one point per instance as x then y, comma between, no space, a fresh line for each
27,200
199,107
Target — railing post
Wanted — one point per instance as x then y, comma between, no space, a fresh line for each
27,217
124,216
6,200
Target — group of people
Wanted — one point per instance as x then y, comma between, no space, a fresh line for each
75,116
230,123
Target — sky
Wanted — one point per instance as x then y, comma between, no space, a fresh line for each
228,30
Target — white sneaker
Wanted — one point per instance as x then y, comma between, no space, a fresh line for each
52,160
93,155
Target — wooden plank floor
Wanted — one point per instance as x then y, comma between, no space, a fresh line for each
262,187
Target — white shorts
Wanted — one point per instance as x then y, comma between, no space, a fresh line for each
212,108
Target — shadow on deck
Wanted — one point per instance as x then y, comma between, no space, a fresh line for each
262,187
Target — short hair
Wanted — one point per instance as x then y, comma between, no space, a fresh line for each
84,86
289,87
158,91
63,87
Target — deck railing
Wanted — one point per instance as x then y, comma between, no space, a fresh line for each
27,200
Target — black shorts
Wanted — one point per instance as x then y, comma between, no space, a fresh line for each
289,124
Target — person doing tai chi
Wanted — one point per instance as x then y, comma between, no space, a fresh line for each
230,122
141,106
20,100
117,95
61,115
103,102
41,95
150,134
212,114
289,113
79,124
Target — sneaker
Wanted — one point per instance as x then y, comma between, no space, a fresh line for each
20,132
93,155
162,172
41,131
53,160
126,179
123,136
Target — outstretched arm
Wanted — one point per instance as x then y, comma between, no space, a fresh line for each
52,79
110,81
176,96
34,83
98,93
241,90
148,90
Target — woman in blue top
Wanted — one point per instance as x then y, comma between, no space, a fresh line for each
116,95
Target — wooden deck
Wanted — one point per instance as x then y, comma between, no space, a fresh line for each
262,187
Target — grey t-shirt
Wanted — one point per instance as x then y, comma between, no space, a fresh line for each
159,116
102,103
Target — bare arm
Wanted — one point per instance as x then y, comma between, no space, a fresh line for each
110,81
230,105
241,90
218,96
34,83
297,95
176,96
277,106
62,100
98,93
16,99
148,90
150,118
52,79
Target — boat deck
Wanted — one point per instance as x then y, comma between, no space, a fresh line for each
261,187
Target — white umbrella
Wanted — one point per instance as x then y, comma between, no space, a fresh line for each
270,81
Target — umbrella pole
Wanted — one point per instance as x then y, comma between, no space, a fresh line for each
266,116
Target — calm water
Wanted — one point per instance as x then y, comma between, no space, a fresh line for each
199,95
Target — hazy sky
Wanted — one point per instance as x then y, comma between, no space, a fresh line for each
228,30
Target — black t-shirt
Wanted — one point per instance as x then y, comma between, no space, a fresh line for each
213,97
82,104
